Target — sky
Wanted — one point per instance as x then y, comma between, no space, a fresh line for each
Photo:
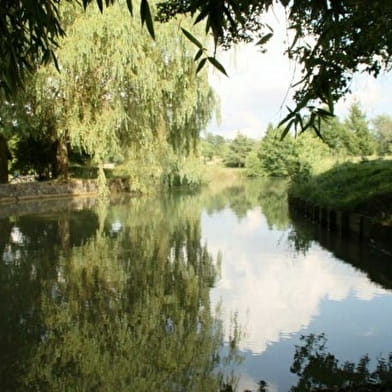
257,89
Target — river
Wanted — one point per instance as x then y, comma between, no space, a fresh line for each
186,291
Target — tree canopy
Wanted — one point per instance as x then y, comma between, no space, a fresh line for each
120,96
331,40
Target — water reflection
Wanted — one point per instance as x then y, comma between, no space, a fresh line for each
318,369
243,196
283,283
278,292
374,263
92,309
124,297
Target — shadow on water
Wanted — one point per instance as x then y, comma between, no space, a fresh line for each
373,262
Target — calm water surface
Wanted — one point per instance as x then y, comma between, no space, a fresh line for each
185,292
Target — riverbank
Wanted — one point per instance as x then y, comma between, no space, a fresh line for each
353,199
363,188
16,193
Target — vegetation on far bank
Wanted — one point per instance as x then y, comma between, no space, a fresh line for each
349,168
364,187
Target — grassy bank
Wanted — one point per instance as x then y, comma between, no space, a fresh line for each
364,187
214,173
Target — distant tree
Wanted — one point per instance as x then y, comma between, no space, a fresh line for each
382,129
276,156
213,146
290,157
238,150
253,165
339,138
357,123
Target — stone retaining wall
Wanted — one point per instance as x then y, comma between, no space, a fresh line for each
353,225
15,193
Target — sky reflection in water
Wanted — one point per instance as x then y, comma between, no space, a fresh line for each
79,282
279,294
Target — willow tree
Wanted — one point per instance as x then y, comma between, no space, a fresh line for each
119,92
331,40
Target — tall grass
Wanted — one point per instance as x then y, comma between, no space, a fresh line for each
364,186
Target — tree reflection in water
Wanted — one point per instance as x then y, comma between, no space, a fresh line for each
267,193
119,300
120,312
320,371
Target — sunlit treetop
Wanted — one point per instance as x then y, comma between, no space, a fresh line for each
331,40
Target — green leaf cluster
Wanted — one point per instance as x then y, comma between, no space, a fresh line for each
238,150
120,95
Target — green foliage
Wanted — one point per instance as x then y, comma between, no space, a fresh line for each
331,41
238,150
300,157
213,146
276,156
253,167
338,137
129,96
116,99
30,31
365,186
290,157
382,130
180,171
356,123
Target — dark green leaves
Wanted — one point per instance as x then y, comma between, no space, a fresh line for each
100,5
300,122
217,65
201,65
264,39
200,52
146,17
130,6
192,38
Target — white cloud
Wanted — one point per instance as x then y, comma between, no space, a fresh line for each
372,94
274,292
256,88
258,84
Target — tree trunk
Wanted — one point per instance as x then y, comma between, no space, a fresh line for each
60,164
4,156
